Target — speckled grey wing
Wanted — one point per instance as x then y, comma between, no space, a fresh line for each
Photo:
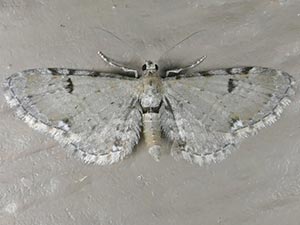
207,113
96,115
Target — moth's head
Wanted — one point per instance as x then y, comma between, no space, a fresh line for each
149,67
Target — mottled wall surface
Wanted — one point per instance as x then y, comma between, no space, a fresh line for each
41,184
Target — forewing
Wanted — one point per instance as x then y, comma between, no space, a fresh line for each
206,113
96,115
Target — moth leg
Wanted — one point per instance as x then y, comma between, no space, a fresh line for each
194,64
115,64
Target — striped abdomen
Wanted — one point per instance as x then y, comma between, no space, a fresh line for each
152,133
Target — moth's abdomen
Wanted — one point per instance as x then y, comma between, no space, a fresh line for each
152,133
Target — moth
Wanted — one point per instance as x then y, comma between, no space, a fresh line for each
100,116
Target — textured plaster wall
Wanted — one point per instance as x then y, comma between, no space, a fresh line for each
41,184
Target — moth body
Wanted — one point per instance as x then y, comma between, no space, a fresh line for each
151,100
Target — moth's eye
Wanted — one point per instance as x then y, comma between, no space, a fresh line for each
156,66
144,67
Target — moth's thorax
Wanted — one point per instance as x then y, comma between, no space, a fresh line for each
151,92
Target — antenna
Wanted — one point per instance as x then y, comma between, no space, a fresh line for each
124,42
174,46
